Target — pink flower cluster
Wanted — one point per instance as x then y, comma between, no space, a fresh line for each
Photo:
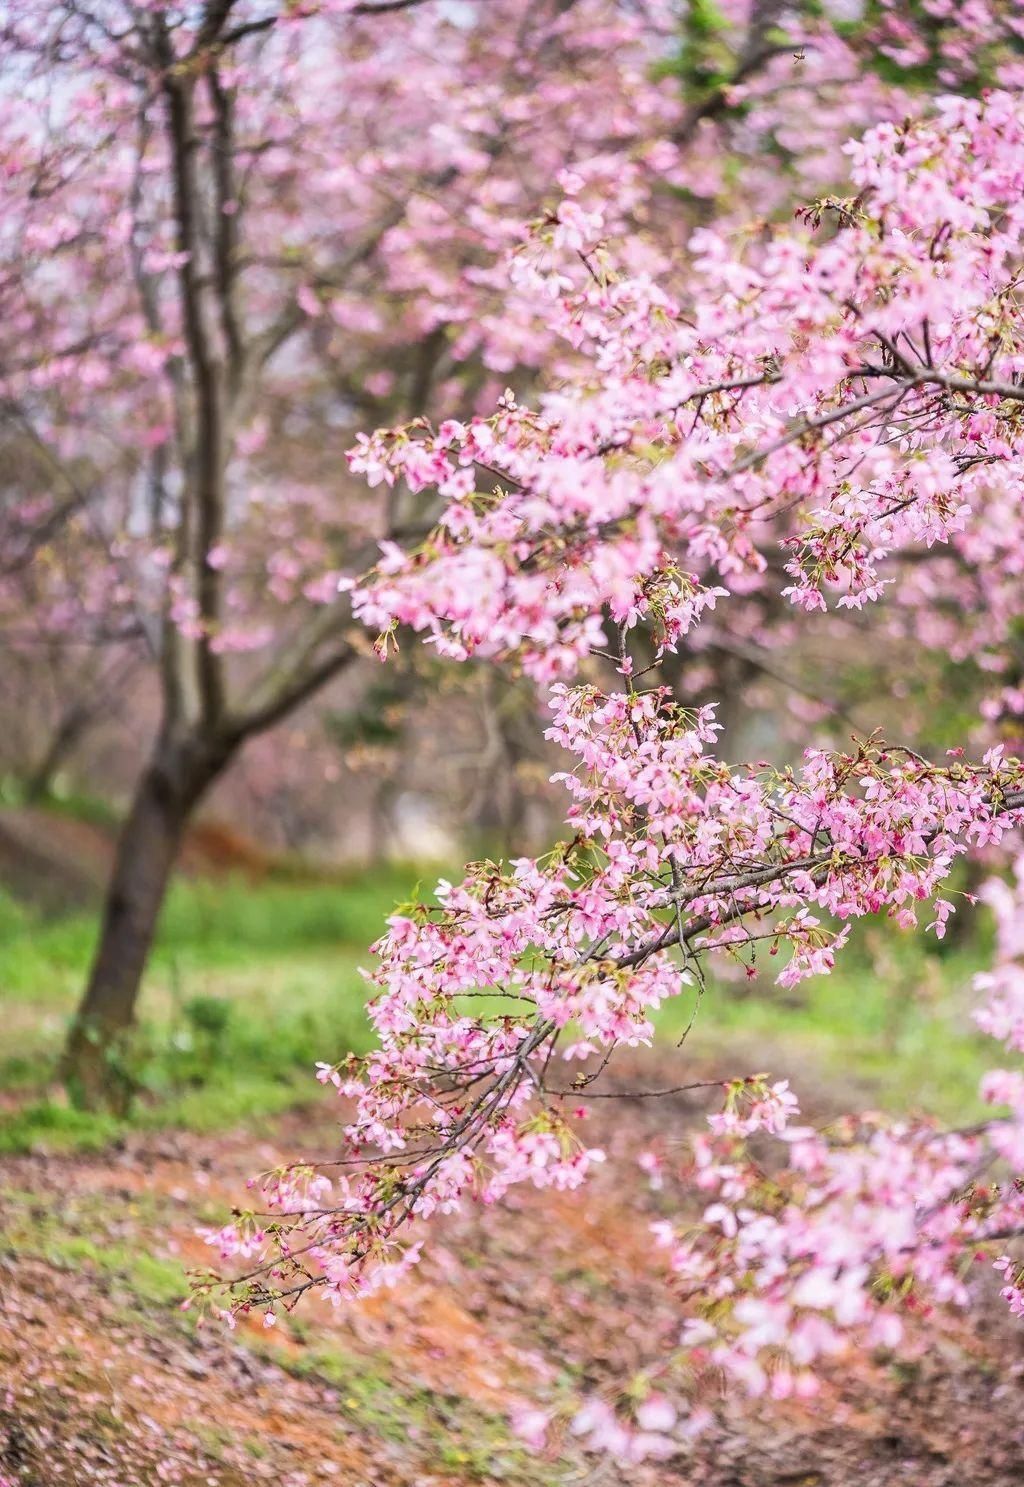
848,397
830,1244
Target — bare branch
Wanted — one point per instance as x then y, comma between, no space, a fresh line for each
206,477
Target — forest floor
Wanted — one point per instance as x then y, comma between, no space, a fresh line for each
106,1382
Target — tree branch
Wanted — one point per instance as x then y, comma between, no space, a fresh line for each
297,674
205,479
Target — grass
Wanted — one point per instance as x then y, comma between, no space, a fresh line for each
250,984
890,1027
445,1430
75,1238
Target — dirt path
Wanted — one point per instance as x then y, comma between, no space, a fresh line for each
103,1380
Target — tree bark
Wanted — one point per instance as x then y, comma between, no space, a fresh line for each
65,739
167,792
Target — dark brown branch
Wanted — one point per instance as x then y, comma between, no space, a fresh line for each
635,1094
291,692
383,7
267,23
758,51
226,229
208,458
249,28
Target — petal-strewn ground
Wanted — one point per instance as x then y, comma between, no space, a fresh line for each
545,1301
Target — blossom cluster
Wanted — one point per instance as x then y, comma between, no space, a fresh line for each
837,1238
827,400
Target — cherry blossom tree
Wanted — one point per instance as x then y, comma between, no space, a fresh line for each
845,393
231,232
234,231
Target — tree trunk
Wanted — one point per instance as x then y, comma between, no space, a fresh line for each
65,738
165,796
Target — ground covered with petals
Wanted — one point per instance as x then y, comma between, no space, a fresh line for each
558,1303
